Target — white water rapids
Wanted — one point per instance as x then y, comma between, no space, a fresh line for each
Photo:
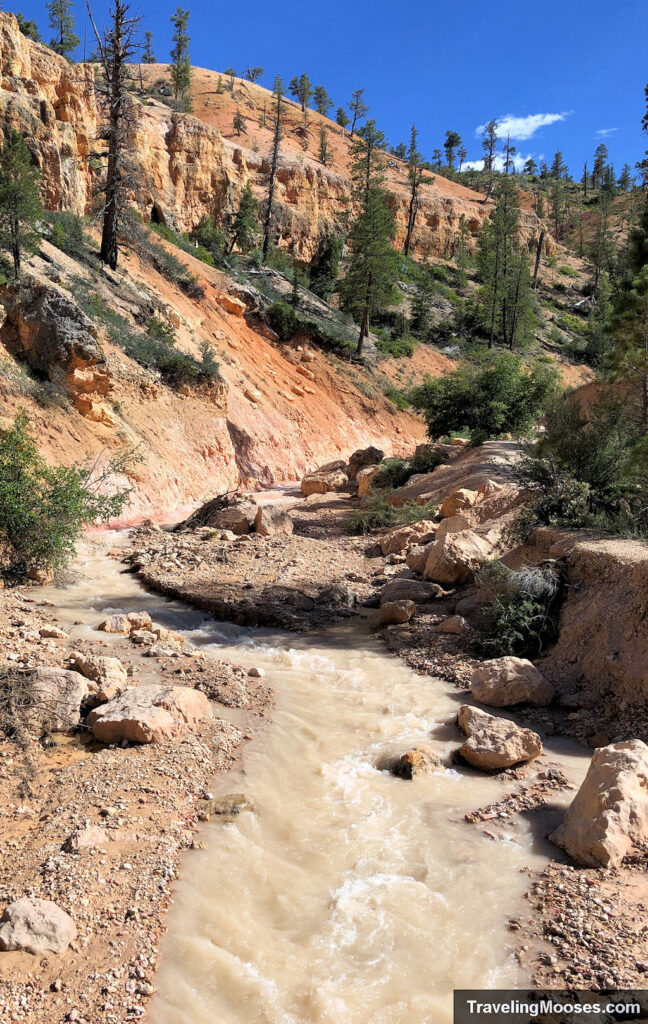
349,896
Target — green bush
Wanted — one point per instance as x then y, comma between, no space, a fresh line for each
67,233
283,320
398,347
396,472
378,513
43,509
568,271
521,615
489,394
587,470
394,395
163,261
154,350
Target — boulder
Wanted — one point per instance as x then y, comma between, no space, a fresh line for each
455,624
457,556
90,838
417,556
410,590
36,926
332,467
271,521
148,714
55,698
364,478
337,596
609,814
322,482
53,633
395,613
364,457
500,682
397,540
139,620
453,524
458,500
108,673
117,623
495,742
233,511
420,760
168,636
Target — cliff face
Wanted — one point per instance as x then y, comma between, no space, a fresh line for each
186,166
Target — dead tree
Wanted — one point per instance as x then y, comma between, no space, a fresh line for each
116,46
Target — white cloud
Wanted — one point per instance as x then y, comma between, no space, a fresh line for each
603,133
518,162
524,127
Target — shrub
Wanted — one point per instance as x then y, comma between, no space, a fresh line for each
393,394
396,472
489,394
43,509
378,513
398,347
521,616
587,470
283,320
568,271
67,233
164,262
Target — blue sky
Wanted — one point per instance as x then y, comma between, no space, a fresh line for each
564,71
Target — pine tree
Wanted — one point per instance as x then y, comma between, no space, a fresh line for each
558,166
238,124
61,22
369,164
369,286
462,153
231,74
602,251
600,162
585,180
463,252
116,48
625,178
416,178
452,142
20,204
342,118
302,89
254,74
509,153
489,143
324,270
437,159
246,222
630,357
530,167
278,93
28,27
180,61
358,108
505,297
148,57
323,146
322,100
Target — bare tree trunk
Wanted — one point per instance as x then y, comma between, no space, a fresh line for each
411,219
537,259
364,331
273,174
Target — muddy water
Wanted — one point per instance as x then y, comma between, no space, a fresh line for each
349,897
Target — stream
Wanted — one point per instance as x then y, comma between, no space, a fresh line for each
349,896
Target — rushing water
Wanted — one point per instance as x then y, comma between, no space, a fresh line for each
349,896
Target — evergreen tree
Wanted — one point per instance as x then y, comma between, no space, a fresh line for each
28,27
231,74
509,153
608,185
416,178
278,92
602,251
462,153
254,74
323,146
463,252
585,180
148,57
20,204
302,89
437,159
426,290
599,165
342,118
598,338
61,22
558,166
369,286
322,100
180,61
246,222
540,206
530,167
358,108
238,123
451,144
630,359
489,143
399,151
367,154
625,178
505,297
